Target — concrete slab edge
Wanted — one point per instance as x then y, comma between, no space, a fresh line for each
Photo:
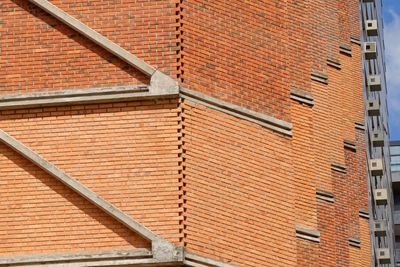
326,196
81,96
359,126
338,167
194,260
319,77
354,242
302,97
345,49
334,62
308,234
349,145
355,40
363,214
266,121
75,257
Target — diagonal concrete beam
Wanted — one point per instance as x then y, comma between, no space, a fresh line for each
160,83
95,36
79,188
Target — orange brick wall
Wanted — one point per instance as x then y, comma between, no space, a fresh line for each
239,190
125,152
237,53
222,187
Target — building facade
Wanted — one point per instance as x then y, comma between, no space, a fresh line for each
192,133
395,169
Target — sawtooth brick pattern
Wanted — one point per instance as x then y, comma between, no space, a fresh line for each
237,52
125,152
326,227
303,163
239,190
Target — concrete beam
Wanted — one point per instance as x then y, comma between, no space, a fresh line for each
302,97
237,111
94,36
159,81
194,260
307,234
83,96
74,257
77,187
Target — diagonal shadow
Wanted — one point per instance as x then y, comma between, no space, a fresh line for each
74,198
81,40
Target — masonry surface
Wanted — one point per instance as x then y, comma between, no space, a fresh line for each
259,176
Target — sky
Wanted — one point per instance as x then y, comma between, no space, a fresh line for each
391,17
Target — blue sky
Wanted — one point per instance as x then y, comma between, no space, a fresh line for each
391,16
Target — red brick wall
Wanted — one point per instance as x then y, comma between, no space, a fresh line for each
237,52
221,186
239,190
41,53
125,152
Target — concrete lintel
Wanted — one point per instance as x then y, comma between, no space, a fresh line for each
355,40
78,187
338,167
82,96
334,62
354,242
345,49
363,214
308,234
237,111
349,145
326,196
194,260
302,96
94,36
319,77
359,126
75,257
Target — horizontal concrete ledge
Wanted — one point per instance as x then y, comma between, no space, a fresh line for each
237,111
307,234
108,263
359,126
349,145
363,214
194,260
354,242
81,96
338,167
302,97
345,49
355,40
326,196
74,257
335,63
319,77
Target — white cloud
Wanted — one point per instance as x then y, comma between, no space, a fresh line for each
392,50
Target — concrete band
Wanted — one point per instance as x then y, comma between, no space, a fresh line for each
237,111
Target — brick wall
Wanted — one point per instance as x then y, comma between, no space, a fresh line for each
239,190
125,152
221,186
